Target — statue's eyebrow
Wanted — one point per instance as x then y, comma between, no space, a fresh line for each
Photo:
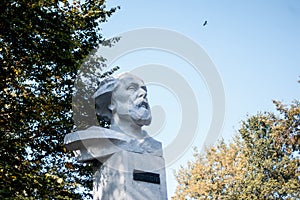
133,84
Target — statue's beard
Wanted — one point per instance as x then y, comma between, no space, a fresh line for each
140,113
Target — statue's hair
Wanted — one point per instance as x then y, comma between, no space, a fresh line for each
103,97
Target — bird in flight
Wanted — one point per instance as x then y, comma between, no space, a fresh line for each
205,22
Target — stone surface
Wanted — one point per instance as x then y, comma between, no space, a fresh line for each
96,143
114,179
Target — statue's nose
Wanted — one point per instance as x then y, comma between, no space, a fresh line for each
142,93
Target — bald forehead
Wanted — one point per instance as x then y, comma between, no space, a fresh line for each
128,86
129,79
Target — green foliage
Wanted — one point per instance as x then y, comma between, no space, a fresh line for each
262,162
88,79
42,45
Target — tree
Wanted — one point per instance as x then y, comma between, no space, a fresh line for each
42,45
87,81
262,162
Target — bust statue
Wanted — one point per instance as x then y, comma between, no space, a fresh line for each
128,163
121,100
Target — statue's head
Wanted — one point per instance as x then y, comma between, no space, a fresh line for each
123,99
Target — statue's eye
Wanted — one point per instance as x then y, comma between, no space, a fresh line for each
132,87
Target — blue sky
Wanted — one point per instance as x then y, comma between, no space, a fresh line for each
254,45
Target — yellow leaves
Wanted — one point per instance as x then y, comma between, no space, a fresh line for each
213,173
56,178
59,181
16,70
13,94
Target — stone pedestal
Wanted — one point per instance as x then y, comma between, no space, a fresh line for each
131,176
125,168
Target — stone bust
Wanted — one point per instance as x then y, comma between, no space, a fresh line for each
127,162
123,100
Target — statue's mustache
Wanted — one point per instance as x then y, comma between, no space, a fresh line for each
142,102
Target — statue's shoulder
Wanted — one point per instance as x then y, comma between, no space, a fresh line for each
93,136
97,132
155,144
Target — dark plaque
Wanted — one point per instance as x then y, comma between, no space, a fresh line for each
148,177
